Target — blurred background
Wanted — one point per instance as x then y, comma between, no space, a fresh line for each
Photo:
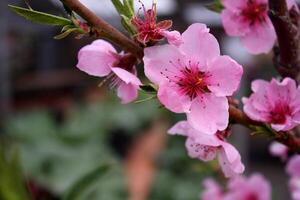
60,133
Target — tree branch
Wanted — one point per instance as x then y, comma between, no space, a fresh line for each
103,29
286,25
286,138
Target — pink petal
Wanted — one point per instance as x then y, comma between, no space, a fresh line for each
199,45
173,37
172,100
225,76
295,105
185,129
97,58
127,92
230,151
233,24
200,151
230,169
209,114
260,39
254,113
291,3
212,191
180,128
159,58
284,91
278,149
126,76
234,5
288,125
260,186
293,166
258,84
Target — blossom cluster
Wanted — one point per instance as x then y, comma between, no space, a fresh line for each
249,20
193,78
293,169
238,188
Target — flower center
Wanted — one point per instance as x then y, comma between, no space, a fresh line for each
189,80
254,12
279,113
251,196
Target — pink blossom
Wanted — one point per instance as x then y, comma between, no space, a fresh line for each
255,187
249,20
194,79
293,166
206,147
101,59
293,169
149,31
212,190
276,103
279,150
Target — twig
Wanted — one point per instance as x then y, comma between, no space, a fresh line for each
104,29
287,138
286,25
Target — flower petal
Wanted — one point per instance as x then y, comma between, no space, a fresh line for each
260,39
159,58
230,169
234,5
225,76
200,151
180,128
170,98
97,58
233,24
173,37
199,45
293,166
126,76
127,92
209,113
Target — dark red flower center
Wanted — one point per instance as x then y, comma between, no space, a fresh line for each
189,79
279,114
251,196
148,29
254,12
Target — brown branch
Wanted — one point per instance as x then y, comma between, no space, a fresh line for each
287,138
104,29
286,25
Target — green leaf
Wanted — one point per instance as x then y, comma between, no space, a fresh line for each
216,6
119,7
77,190
65,34
129,8
40,17
12,185
149,88
145,100
127,24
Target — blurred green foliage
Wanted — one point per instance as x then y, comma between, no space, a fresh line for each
12,185
58,154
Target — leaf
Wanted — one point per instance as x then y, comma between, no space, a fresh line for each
216,6
129,7
123,8
66,33
127,24
76,191
12,185
119,7
40,17
149,88
145,100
